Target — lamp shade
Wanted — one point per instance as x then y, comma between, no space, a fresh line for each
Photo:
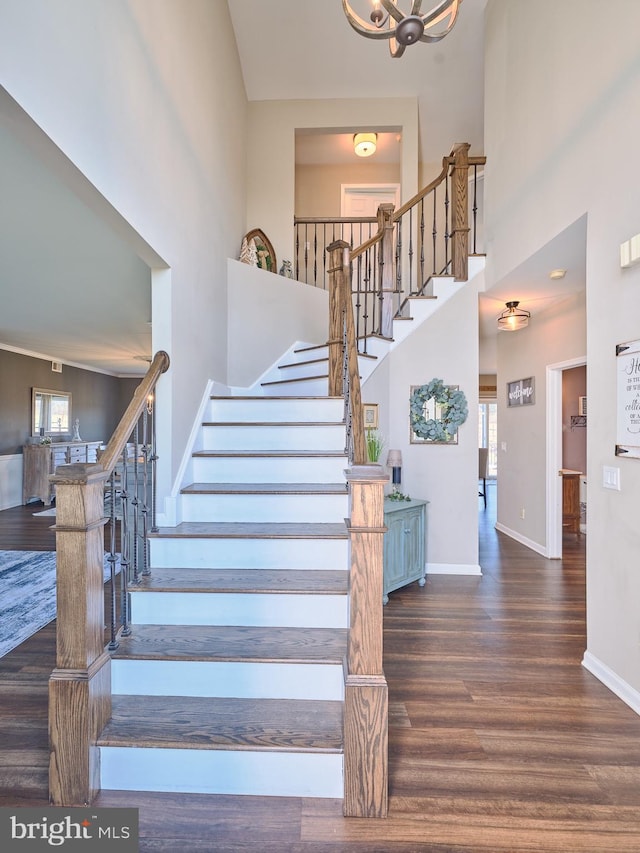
513,318
394,459
364,144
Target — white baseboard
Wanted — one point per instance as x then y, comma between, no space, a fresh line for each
608,677
453,569
528,543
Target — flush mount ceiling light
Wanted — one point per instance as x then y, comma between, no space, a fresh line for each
513,318
364,144
556,274
387,21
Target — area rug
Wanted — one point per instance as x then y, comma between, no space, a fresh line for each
27,594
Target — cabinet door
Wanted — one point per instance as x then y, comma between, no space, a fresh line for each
394,547
414,542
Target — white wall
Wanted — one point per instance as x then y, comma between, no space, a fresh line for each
271,153
444,347
267,314
552,337
561,120
147,100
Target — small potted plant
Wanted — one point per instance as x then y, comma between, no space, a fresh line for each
375,443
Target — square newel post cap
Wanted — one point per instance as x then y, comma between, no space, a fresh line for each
366,474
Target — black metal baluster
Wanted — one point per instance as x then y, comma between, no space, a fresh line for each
297,227
422,279
447,233
135,511
315,255
434,232
112,560
475,208
410,254
124,550
399,260
145,493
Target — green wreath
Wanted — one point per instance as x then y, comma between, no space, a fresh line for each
453,409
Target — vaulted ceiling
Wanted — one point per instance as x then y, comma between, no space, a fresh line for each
288,49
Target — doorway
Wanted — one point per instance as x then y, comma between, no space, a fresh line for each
555,427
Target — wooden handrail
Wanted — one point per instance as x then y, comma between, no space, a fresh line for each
159,365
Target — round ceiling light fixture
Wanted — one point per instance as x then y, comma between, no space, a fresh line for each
364,144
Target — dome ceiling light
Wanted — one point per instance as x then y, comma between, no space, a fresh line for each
387,21
513,318
364,144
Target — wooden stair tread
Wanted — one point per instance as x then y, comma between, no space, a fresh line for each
265,489
278,454
291,581
274,397
296,379
253,530
273,423
302,363
239,643
215,723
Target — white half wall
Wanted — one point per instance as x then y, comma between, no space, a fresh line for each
267,313
10,480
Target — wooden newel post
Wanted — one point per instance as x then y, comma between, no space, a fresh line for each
80,685
388,280
460,212
366,696
338,271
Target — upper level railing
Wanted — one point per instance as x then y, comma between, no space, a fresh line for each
80,685
430,235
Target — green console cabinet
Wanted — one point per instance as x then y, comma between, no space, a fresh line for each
404,544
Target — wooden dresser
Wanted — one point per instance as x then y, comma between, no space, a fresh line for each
41,460
571,500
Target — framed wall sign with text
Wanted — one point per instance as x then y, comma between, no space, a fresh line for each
628,399
522,392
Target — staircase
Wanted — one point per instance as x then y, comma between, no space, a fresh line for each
304,368
232,680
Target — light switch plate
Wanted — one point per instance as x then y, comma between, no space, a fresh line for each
611,478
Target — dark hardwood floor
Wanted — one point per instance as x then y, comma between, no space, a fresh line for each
500,742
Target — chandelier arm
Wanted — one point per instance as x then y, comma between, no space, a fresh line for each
362,27
394,12
395,48
437,14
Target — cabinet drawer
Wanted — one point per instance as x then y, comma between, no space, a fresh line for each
77,454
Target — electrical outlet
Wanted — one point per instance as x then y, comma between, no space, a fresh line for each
522,513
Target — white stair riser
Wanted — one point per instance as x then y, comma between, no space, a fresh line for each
306,355
267,508
249,553
276,437
299,387
258,609
268,469
212,771
271,409
227,679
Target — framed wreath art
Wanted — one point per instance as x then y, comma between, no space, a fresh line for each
436,411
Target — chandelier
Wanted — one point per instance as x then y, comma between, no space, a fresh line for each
389,22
